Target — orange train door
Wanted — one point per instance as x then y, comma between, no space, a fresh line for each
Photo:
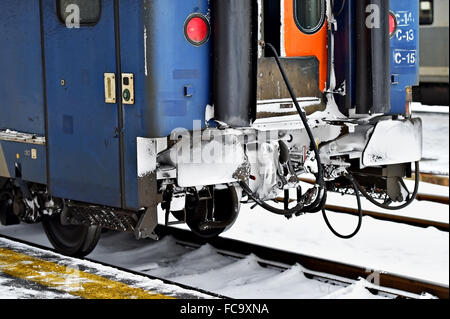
305,32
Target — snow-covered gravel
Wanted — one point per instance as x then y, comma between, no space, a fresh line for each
203,268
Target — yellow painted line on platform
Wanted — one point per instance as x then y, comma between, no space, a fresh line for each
69,280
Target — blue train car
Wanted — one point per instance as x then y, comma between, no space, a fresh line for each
111,109
403,55
404,24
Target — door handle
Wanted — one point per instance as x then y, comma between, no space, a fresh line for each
110,88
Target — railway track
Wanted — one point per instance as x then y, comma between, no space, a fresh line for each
340,274
433,179
315,268
443,181
433,198
417,222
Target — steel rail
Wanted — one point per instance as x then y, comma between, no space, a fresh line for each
420,197
433,179
416,222
433,198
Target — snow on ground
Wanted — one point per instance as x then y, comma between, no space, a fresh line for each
417,107
418,209
203,268
397,248
10,290
430,189
66,283
435,141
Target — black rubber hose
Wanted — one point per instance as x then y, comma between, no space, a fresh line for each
320,178
318,203
360,215
284,212
406,204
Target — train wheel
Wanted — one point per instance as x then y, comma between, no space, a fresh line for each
224,204
71,240
7,216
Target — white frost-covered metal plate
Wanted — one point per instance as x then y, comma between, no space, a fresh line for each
394,142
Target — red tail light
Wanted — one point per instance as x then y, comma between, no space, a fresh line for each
197,29
392,24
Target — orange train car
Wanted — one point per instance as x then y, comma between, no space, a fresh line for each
305,33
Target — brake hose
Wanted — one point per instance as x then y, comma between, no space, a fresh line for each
357,188
406,204
318,204
360,213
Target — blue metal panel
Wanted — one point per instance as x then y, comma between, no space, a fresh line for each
21,88
345,54
83,141
20,154
404,52
154,49
133,61
173,64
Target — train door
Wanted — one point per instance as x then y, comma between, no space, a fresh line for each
83,119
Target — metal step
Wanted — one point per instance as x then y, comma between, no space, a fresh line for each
102,216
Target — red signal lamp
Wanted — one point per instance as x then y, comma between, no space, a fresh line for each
197,29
